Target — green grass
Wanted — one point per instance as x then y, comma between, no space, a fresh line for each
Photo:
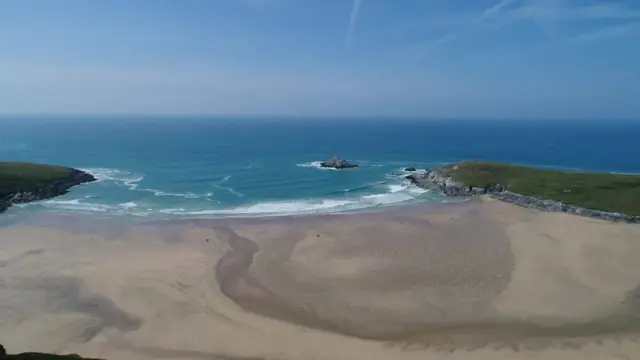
16,177
597,191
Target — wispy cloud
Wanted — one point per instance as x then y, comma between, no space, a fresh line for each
490,12
544,10
476,21
609,32
551,15
352,22
548,16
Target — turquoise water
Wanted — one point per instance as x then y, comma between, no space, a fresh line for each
217,167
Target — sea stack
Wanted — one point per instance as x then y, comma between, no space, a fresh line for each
337,163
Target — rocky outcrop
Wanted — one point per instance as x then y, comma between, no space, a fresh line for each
52,189
337,163
434,179
410,169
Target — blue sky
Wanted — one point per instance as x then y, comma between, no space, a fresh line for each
434,58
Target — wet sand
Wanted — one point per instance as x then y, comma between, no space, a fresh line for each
483,280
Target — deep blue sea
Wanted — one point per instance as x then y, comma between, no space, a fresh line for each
218,167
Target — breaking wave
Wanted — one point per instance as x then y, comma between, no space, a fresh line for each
131,180
392,189
315,164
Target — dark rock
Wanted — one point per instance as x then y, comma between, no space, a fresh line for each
37,356
410,169
53,189
3,206
337,163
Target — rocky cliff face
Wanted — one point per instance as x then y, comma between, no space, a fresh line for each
434,179
55,188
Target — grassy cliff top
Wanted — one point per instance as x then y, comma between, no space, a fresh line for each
597,191
15,177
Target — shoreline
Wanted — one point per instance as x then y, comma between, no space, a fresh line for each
484,280
70,219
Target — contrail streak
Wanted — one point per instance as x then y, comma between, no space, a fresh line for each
352,21
485,15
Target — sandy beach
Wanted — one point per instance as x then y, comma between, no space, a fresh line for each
481,280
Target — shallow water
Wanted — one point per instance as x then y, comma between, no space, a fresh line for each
216,167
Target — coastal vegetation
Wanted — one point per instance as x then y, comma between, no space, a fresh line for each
598,191
26,177
25,182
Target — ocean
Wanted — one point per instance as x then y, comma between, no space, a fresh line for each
176,167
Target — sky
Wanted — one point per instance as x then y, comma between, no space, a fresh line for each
530,59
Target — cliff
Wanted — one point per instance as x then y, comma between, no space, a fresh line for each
613,197
23,182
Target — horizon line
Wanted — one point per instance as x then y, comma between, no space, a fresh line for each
168,116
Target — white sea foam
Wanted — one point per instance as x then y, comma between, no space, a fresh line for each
129,205
62,202
130,180
416,191
397,193
396,190
226,188
314,164
51,203
231,190
386,199
164,193
76,205
187,195
269,208
121,177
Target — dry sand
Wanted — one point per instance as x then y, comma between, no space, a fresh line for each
485,280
